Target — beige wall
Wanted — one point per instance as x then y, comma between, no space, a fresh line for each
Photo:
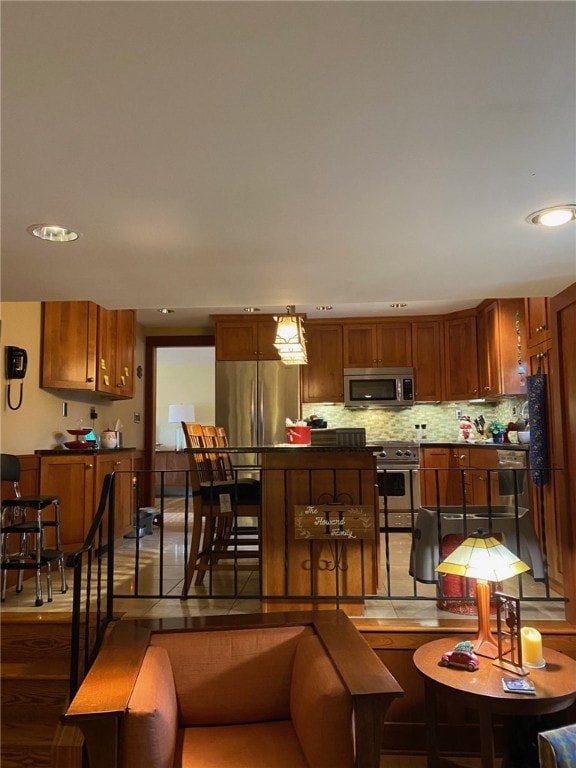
38,422
185,382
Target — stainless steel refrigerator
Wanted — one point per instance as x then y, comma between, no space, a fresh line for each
253,400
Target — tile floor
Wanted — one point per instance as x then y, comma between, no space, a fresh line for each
397,582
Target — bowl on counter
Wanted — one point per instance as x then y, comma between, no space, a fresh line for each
524,437
80,445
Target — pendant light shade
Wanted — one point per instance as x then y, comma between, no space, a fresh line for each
289,339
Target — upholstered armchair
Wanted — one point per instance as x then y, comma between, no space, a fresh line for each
286,690
557,747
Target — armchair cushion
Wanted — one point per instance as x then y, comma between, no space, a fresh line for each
259,745
150,725
235,676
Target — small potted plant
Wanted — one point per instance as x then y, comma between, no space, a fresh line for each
497,429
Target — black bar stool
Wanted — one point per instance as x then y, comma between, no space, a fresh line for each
23,519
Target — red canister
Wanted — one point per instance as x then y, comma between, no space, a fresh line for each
298,435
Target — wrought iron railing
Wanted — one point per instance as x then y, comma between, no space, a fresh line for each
152,561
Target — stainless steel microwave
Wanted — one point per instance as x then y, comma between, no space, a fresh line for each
378,387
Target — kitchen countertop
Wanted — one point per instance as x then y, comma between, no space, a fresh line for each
80,451
289,448
481,444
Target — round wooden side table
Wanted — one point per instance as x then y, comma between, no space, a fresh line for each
482,691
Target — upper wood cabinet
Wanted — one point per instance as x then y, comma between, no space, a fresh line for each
377,345
537,311
69,339
115,367
460,358
86,347
501,348
427,360
240,338
323,376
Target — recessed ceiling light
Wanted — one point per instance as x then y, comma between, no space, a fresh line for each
398,305
166,311
554,216
53,232
325,307
251,309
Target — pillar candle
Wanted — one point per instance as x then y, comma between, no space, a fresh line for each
531,641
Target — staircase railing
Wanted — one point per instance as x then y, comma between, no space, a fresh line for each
93,593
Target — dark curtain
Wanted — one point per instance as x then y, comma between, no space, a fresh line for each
536,387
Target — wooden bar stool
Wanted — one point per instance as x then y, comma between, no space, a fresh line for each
23,525
215,536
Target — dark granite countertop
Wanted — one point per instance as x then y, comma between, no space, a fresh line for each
289,448
80,451
482,444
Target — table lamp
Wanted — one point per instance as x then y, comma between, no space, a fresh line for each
176,415
484,558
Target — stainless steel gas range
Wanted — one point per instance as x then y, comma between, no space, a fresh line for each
398,465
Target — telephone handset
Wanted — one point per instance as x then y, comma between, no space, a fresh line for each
16,365
16,362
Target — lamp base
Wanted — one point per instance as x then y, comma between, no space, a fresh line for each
485,644
485,647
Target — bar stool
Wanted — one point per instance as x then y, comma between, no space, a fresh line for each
23,519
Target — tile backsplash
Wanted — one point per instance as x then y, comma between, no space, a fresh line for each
399,423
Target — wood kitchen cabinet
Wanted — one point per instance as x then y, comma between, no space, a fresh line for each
115,367
377,345
70,476
77,478
537,310
427,360
85,347
460,358
239,338
435,463
443,482
69,341
501,347
323,376
122,463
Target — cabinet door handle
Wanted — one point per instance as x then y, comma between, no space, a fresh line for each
90,378
89,466
117,463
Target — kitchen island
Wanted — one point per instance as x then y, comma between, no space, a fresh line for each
319,538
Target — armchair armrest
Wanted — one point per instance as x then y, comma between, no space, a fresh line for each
369,683
102,699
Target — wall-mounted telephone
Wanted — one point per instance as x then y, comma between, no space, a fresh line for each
16,364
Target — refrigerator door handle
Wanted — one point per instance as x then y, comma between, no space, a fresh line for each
253,414
262,419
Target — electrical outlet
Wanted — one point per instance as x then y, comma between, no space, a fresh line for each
136,418
514,411
64,408
93,414
458,414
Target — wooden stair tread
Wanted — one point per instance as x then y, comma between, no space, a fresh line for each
42,669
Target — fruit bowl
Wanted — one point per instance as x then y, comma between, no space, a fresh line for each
75,445
79,432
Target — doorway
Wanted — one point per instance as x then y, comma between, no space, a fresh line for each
153,343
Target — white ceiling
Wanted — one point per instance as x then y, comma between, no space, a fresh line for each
215,155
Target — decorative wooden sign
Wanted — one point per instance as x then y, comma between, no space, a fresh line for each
345,522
